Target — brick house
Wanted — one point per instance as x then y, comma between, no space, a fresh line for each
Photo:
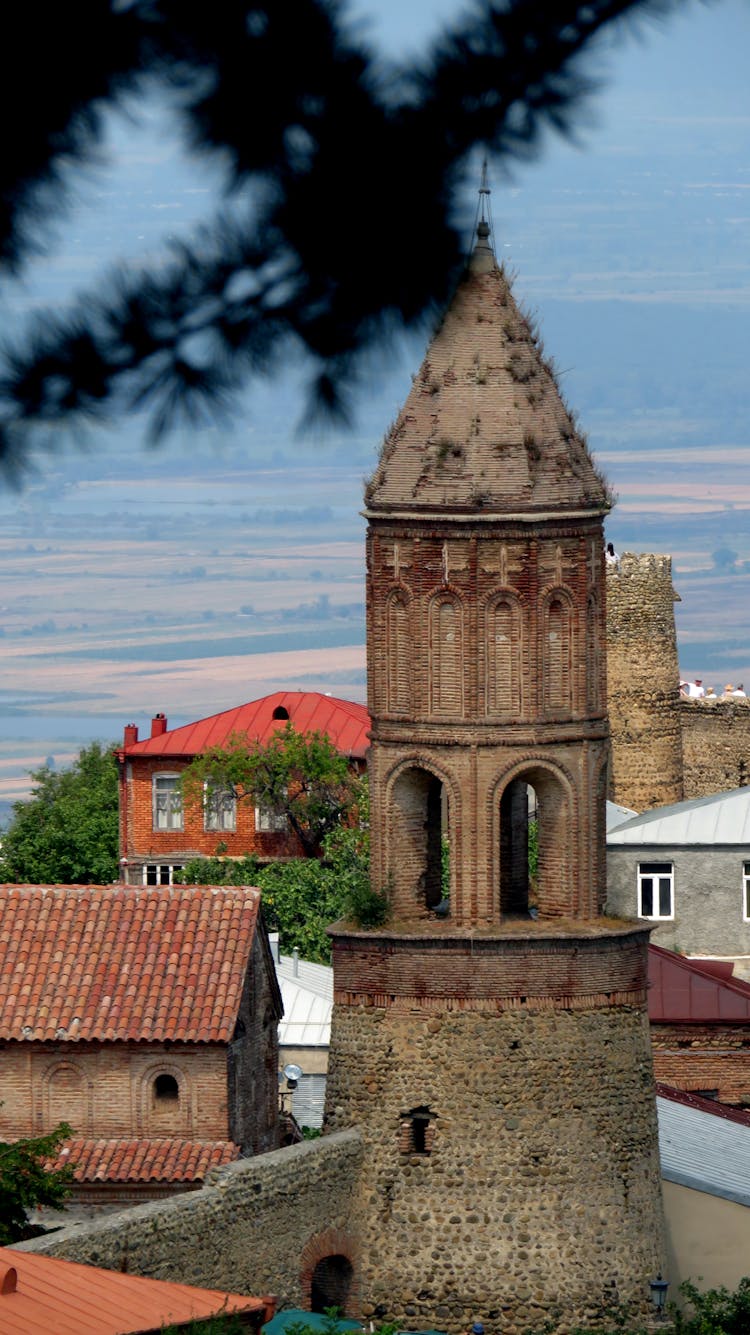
157,836
146,1018
700,1026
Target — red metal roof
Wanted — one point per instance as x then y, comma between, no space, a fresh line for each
43,1295
345,722
117,962
686,991
156,1160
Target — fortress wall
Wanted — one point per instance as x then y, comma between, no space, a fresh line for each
643,683
715,745
247,1231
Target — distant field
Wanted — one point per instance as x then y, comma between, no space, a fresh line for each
119,601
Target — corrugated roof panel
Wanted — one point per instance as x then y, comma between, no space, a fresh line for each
680,990
722,818
308,1001
703,1148
345,722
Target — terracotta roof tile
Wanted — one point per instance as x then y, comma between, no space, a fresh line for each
345,722
145,1160
66,974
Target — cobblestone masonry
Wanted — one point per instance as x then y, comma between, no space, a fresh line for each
643,683
665,748
537,1189
251,1229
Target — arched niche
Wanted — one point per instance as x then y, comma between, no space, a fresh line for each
399,654
66,1097
504,656
557,653
535,847
594,639
446,671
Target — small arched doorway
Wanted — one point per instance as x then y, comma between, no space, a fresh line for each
331,1283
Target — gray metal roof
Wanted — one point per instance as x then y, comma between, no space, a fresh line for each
616,815
703,1150
723,818
307,993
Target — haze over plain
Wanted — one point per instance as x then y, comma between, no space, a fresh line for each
229,561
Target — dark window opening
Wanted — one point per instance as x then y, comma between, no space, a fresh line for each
417,1131
166,1089
533,828
280,712
705,1093
331,1284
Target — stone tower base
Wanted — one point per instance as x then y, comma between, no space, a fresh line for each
504,1091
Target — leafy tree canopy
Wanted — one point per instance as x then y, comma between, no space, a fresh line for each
333,160
67,831
298,776
303,895
26,1181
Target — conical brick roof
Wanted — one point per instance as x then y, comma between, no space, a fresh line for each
484,428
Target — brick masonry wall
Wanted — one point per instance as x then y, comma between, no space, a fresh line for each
537,1197
643,683
106,1090
715,745
704,1057
257,1226
139,841
707,900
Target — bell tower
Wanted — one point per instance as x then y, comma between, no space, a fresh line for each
491,1040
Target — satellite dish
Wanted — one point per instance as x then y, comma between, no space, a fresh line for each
292,1074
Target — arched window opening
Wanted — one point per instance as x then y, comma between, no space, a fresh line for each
399,656
446,658
331,1283
421,873
557,665
280,712
504,658
417,1131
166,1090
535,847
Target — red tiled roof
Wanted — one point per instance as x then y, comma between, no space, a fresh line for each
43,1294
683,990
345,722
143,1160
117,962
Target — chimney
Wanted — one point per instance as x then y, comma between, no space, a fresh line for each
158,725
130,735
295,962
275,944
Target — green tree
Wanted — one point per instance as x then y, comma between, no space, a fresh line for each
269,277
303,895
26,1181
298,776
67,831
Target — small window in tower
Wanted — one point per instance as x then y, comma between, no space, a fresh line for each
166,1090
280,712
416,1131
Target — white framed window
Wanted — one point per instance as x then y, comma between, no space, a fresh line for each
655,890
167,802
746,891
268,821
160,873
219,808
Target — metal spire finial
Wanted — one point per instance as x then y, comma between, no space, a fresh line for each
483,223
